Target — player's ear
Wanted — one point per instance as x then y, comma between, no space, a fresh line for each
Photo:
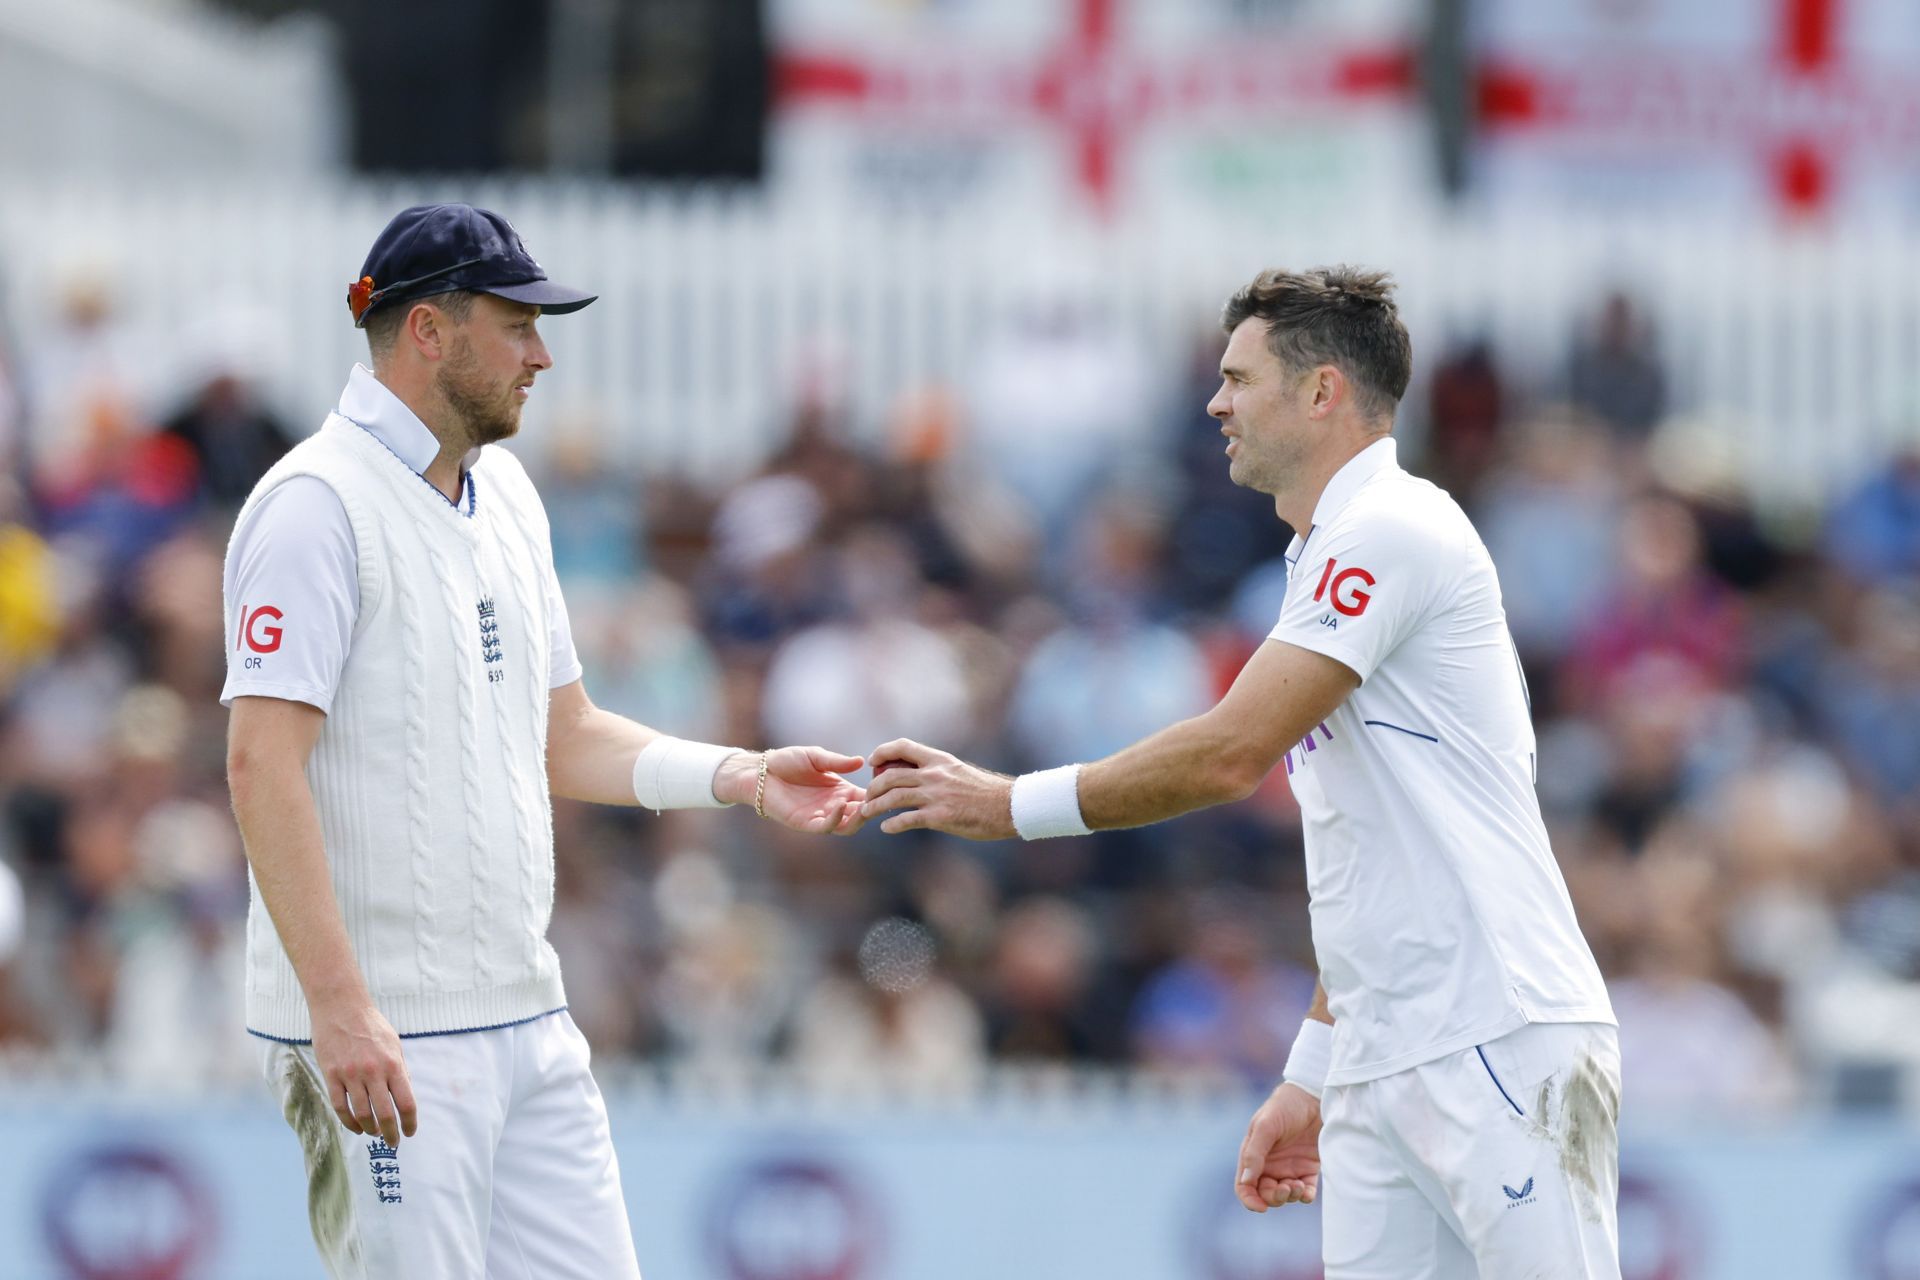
1329,389
426,329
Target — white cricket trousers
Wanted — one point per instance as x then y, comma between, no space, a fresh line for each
511,1175
1497,1163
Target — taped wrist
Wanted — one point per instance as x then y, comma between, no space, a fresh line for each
1047,804
672,773
1311,1058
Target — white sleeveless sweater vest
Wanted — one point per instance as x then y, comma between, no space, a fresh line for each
430,772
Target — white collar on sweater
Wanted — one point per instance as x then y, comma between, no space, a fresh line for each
368,402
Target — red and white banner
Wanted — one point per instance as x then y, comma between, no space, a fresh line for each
1797,107
1095,105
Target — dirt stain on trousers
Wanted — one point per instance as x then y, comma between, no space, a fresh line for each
1586,1137
329,1196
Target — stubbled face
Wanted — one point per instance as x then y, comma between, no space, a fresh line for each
491,361
1262,407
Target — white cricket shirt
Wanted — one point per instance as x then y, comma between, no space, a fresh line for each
292,572
1440,918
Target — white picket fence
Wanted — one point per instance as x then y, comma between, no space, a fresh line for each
1801,349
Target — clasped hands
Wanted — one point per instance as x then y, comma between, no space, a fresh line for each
922,787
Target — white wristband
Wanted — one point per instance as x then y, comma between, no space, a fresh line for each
1048,804
673,773
1311,1058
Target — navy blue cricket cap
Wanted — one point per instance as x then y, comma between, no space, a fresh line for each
437,248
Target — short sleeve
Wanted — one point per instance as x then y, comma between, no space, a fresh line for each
292,586
563,662
1365,586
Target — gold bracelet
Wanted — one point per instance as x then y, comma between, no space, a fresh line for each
760,789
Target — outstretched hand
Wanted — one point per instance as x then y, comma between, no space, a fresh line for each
806,792
1280,1156
926,788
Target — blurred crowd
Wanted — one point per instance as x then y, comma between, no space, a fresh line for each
1033,568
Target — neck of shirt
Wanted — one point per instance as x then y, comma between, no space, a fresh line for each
1343,484
372,405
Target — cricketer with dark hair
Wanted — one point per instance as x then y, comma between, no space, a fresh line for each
1460,1072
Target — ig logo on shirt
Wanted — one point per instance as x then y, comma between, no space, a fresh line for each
1347,600
258,632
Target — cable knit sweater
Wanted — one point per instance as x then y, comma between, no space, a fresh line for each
430,772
